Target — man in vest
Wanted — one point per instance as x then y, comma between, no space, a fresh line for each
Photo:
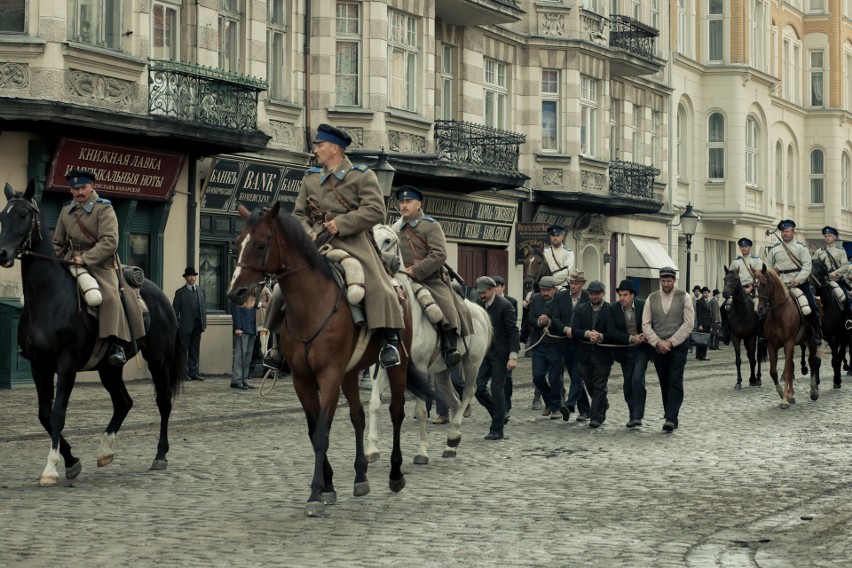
559,258
834,257
667,321
792,261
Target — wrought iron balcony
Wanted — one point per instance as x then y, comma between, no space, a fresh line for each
633,36
203,94
633,180
478,146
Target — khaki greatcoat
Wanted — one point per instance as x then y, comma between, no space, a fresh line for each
69,240
423,247
365,207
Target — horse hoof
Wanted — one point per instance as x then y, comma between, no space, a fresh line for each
738,386
159,465
814,394
784,405
361,488
105,460
449,454
421,460
73,471
837,385
758,383
329,497
792,400
372,458
48,480
314,508
396,485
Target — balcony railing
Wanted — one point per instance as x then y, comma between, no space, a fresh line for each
632,180
476,145
633,36
203,94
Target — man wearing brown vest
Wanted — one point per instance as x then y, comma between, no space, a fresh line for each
667,322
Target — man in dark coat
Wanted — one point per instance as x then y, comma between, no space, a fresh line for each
501,288
627,316
591,324
704,321
502,355
190,305
576,398
549,321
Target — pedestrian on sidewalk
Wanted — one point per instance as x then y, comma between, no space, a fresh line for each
245,330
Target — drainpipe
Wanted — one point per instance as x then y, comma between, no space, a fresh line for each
672,130
307,94
191,211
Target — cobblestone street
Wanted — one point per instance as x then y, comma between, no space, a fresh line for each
740,483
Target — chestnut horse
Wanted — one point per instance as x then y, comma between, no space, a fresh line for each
535,268
744,327
319,341
784,327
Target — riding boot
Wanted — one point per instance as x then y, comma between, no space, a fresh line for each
117,358
274,358
389,357
816,331
452,357
848,312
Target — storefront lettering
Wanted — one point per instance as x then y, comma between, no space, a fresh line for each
224,177
261,181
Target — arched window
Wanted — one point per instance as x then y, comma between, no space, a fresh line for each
844,180
779,172
817,177
682,146
752,155
789,183
716,147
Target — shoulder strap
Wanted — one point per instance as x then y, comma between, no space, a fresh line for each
337,194
83,228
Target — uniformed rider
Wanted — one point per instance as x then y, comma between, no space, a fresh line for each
834,257
744,265
792,261
423,247
559,257
87,235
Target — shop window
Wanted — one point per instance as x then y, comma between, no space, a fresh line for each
211,274
140,252
13,16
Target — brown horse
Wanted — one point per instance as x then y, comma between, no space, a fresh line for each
319,341
535,268
784,327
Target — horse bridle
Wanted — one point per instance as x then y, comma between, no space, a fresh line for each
765,298
26,247
264,268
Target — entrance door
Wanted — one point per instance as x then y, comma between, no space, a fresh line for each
480,261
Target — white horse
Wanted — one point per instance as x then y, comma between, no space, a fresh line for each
426,354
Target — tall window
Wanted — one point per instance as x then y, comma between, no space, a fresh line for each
817,177
655,15
165,26
276,45
847,8
588,115
637,10
847,52
682,28
550,109
402,60
229,35
792,62
656,125
844,180
13,16
447,83
752,155
636,140
591,5
716,147
347,71
758,34
779,172
615,128
789,181
682,148
816,6
496,94
95,22
715,31
817,74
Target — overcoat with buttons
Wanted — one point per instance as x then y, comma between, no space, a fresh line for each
69,240
364,207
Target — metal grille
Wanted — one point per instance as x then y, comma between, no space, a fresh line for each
466,143
632,179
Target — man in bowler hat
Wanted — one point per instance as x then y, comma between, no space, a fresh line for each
190,304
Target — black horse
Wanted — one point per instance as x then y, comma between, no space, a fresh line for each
744,326
58,336
833,321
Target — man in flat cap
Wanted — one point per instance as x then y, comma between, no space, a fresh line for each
559,257
627,317
339,203
549,320
576,399
502,355
833,256
423,247
792,261
703,320
667,322
87,235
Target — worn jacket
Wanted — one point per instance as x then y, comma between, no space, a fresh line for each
559,312
504,320
581,322
183,305
621,335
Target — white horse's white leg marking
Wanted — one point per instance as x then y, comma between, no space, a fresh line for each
420,412
372,452
238,268
49,476
105,453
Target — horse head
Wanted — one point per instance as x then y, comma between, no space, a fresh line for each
732,286
819,272
535,268
258,251
771,290
19,224
386,239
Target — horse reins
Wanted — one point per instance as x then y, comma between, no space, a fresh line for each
35,229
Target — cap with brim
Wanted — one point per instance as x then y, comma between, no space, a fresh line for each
668,271
829,230
786,224
596,286
328,133
577,276
547,282
79,178
744,242
484,283
556,230
499,280
626,286
408,192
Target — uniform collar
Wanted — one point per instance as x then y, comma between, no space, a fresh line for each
414,222
339,172
89,204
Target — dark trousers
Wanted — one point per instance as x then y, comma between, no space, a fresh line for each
192,347
700,351
596,376
493,369
507,392
633,370
670,370
441,407
577,397
547,362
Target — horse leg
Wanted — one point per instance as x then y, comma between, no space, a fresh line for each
113,382
804,366
773,368
815,363
356,415
738,361
43,378
160,374
57,406
422,457
836,362
316,417
379,383
454,432
397,381
787,392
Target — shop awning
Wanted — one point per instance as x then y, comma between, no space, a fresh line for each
645,258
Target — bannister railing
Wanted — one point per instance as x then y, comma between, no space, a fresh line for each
467,143
633,36
203,94
632,179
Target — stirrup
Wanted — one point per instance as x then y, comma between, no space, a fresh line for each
117,358
452,357
389,357
848,324
274,359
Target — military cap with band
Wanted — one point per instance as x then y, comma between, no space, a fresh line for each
329,133
408,192
829,230
556,230
79,178
786,224
744,242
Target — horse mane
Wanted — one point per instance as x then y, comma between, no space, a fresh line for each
297,238
776,279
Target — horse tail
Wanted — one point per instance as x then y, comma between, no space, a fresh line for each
418,383
762,349
177,367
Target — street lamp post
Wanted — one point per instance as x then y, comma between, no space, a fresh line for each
384,172
689,224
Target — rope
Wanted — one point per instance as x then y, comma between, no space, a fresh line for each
548,334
